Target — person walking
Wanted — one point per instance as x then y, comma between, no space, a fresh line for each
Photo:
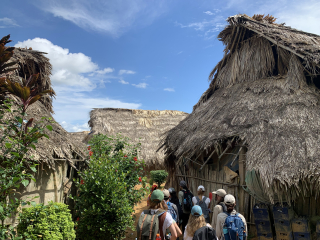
175,200
231,225
195,222
172,208
185,199
157,212
203,202
220,205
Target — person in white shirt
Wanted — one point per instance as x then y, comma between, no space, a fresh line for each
230,202
157,203
220,205
196,201
196,221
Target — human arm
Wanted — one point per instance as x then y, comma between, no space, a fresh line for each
175,231
181,197
219,229
214,216
194,201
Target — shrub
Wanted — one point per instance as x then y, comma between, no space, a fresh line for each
159,176
48,222
107,192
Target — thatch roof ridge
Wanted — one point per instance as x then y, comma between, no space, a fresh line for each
144,126
32,62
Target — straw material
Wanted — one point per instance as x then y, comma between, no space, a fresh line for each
140,126
265,94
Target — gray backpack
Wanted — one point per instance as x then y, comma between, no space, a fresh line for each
203,205
150,224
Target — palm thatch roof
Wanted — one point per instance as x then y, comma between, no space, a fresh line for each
79,136
59,146
140,126
265,94
31,62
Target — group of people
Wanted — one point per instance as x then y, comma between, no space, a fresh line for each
167,212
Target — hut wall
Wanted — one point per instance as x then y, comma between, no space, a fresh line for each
49,185
212,179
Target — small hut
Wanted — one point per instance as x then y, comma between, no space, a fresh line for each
58,156
257,127
140,126
79,136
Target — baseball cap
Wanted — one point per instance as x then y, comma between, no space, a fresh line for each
196,210
229,199
220,192
157,195
166,193
183,183
201,188
172,190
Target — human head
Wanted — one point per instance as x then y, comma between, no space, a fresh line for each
183,184
157,202
166,194
196,220
230,202
219,195
201,190
154,187
196,210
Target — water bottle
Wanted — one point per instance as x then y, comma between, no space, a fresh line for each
158,237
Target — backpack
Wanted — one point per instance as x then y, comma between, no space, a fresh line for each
187,200
150,224
234,228
203,205
172,211
205,233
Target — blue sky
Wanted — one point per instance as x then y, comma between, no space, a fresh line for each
145,54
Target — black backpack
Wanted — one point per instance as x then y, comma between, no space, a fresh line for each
205,233
187,200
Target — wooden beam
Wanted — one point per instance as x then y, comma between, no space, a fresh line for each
207,180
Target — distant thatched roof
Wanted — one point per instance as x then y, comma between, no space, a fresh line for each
265,92
79,136
140,126
32,62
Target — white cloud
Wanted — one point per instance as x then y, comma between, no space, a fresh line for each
179,52
214,25
104,71
112,16
141,85
72,111
126,72
8,22
123,81
208,13
68,69
169,89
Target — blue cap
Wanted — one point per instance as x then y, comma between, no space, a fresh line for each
196,210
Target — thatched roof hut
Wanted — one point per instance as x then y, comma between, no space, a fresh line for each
263,98
79,136
140,126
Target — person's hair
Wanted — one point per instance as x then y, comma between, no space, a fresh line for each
158,205
173,198
230,207
200,194
194,223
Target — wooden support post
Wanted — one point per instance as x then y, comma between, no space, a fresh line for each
242,173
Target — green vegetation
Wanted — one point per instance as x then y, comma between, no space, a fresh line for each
50,222
159,176
107,191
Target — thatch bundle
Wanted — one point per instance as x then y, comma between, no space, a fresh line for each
79,136
264,95
140,126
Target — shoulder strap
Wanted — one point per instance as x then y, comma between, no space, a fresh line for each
162,217
198,199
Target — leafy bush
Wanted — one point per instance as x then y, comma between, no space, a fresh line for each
159,176
107,192
49,222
